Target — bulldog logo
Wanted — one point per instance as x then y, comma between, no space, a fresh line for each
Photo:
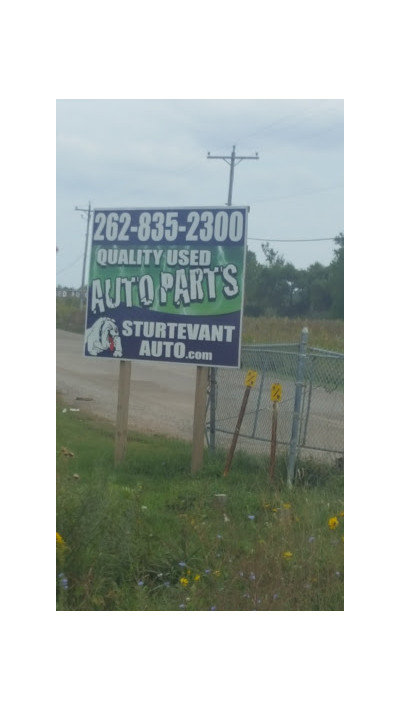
104,336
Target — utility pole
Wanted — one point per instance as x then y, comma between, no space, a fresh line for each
232,160
88,212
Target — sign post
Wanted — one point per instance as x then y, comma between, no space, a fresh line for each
166,285
121,429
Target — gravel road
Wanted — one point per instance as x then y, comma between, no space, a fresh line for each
161,395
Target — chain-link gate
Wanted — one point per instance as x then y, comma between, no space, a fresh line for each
318,400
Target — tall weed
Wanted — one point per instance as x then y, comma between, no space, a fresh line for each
149,536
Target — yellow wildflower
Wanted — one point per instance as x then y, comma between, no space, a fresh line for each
287,555
287,506
184,581
196,578
341,514
59,540
333,522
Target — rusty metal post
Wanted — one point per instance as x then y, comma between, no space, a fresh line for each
237,430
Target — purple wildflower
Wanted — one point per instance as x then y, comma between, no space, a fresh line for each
63,581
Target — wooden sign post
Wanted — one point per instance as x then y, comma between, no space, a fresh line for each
121,429
199,417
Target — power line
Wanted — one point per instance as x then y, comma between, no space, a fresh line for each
292,118
267,239
60,271
289,197
292,121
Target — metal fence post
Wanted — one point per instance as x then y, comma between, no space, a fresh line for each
297,405
310,389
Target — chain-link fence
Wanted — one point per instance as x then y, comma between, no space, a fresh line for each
309,414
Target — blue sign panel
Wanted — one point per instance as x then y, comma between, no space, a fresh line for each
166,284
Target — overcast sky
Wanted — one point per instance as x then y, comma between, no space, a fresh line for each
153,153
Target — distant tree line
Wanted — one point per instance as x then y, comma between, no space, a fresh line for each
277,288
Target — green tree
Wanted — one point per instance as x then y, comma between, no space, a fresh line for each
272,257
253,271
336,278
318,295
277,284
277,288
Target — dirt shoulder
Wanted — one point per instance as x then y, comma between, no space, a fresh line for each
161,394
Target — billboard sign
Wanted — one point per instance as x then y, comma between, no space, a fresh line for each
166,284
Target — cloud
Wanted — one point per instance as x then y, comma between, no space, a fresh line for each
154,153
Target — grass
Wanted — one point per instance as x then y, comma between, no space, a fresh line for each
147,535
323,333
